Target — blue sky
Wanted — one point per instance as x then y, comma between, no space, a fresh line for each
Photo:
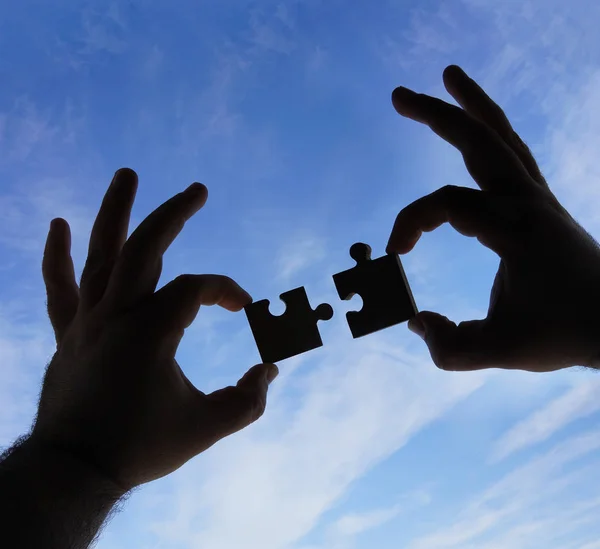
283,110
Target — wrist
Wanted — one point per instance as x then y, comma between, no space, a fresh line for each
50,498
39,457
66,499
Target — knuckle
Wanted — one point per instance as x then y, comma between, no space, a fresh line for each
225,280
98,264
527,216
518,142
449,193
259,404
447,190
186,279
442,359
95,261
254,401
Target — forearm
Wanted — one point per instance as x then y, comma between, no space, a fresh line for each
50,499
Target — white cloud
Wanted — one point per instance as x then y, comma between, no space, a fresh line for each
580,401
25,349
357,523
26,213
573,141
271,35
344,532
23,129
323,431
103,32
531,506
299,253
537,56
352,524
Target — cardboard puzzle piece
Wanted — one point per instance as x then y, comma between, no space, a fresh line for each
290,334
382,284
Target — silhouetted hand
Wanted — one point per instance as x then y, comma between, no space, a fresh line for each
114,395
545,302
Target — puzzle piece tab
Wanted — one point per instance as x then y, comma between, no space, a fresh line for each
382,284
290,334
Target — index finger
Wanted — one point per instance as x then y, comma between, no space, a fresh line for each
175,306
139,266
177,303
493,165
469,211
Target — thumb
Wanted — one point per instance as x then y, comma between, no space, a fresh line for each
470,345
234,408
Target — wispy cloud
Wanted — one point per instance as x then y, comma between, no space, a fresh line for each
580,401
272,33
357,523
301,251
301,458
528,506
26,214
24,129
25,348
345,531
103,31
573,140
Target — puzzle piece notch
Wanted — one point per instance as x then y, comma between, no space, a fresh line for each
291,333
382,285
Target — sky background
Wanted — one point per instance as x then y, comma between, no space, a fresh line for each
283,110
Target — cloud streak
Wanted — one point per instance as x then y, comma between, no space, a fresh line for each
536,503
579,402
298,462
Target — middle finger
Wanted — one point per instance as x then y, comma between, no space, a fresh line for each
109,233
493,165
139,267
473,99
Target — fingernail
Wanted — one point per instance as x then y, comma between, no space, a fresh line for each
196,188
246,297
402,94
455,70
125,172
124,178
57,224
124,182
272,372
417,326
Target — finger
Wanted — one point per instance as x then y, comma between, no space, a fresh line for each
175,306
471,97
492,164
59,277
234,408
108,235
139,266
469,211
470,345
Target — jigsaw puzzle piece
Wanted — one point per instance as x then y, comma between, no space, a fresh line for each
382,285
290,334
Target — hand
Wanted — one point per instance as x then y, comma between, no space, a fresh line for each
544,311
114,395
